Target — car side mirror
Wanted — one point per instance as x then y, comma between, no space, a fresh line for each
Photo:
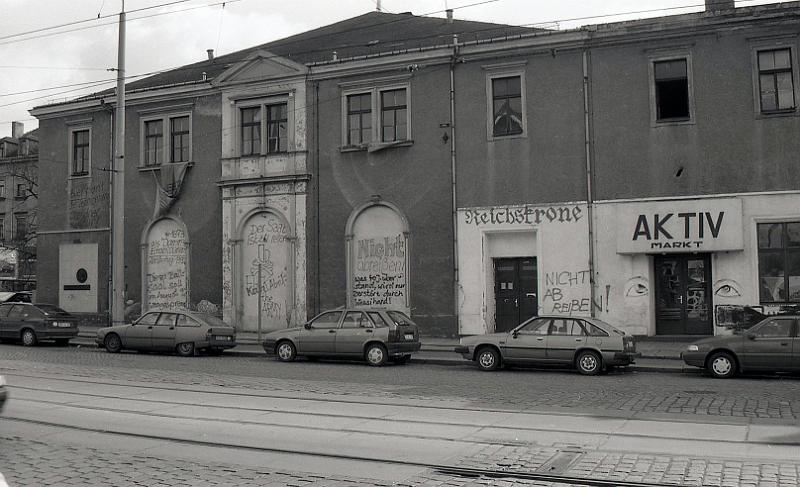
307,326
514,334
751,336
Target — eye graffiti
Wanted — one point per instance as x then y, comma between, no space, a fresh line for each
727,288
636,287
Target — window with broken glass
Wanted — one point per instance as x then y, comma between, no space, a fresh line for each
506,106
779,262
776,84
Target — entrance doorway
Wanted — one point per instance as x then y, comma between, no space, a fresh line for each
683,295
515,291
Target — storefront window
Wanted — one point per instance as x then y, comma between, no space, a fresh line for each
779,262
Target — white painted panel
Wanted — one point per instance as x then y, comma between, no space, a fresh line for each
77,277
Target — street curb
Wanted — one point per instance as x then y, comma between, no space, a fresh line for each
418,360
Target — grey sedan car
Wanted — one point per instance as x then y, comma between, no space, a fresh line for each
182,331
771,345
376,335
589,344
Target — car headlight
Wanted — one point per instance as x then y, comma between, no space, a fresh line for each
693,348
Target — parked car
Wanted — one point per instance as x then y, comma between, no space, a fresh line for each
376,335
182,331
32,323
16,297
769,346
589,344
3,392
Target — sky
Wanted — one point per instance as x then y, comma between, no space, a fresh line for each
49,65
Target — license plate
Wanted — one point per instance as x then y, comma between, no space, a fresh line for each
409,336
222,338
63,325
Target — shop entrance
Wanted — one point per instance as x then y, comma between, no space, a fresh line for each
515,291
683,294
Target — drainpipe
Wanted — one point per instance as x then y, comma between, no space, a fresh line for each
589,177
456,286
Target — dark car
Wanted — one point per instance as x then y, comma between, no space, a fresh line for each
376,335
32,323
588,344
182,331
769,346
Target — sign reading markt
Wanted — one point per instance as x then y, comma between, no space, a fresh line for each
680,226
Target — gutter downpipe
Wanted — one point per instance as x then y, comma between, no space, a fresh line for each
589,175
456,285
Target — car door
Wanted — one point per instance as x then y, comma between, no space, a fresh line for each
138,335
768,345
356,328
6,329
528,343
163,334
14,320
566,335
319,337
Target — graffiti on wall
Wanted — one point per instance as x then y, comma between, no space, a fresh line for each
380,272
167,272
528,215
567,292
88,204
266,271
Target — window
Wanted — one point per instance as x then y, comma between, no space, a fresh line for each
185,321
359,119
251,131
20,226
166,319
566,327
22,190
376,118
777,328
2,228
153,142
80,153
779,262
594,330
538,326
506,106
158,146
671,78
776,86
377,319
394,119
2,189
148,319
276,128
327,320
355,319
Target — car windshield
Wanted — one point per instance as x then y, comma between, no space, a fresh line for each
51,309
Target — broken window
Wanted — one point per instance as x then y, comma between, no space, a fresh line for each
776,85
506,106
672,89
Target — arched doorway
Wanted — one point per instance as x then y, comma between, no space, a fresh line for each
165,264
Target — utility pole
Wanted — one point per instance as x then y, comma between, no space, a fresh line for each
118,187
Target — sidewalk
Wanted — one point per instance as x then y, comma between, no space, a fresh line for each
434,351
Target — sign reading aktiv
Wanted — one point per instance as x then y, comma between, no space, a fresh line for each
680,226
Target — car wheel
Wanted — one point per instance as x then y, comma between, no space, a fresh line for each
402,360
375,354
722,365
28,337
286,351
588,363
62,342
185,349
488,359
112,343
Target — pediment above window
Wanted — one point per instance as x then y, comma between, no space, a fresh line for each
261,65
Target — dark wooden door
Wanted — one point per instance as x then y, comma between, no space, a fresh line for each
515,290
683,294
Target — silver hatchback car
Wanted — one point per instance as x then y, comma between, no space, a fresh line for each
376,335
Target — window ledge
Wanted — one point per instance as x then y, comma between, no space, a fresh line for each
353,148
669,122
496,138
388,145
789,112
82,175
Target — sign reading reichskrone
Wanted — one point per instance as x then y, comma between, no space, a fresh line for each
680,226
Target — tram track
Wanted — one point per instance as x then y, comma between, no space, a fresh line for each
452,470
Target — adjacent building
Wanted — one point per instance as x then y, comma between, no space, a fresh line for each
470,174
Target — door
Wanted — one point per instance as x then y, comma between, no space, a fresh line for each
566,335
515,291
163,333
6,327
138,335
769,345
14,320
355,330
529,343
320,336
683,294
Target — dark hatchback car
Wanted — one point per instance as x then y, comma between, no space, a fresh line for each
769,346
376,335
32,323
